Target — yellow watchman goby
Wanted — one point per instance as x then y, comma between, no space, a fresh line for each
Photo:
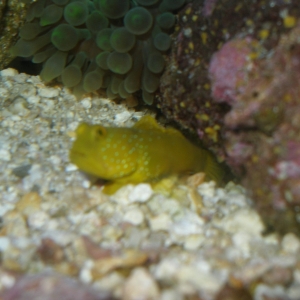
145,152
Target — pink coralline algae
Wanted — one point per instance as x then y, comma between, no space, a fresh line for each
228,69
266,117
208,7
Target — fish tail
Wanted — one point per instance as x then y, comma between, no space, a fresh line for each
214,170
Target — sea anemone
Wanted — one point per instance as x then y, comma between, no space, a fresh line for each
88,45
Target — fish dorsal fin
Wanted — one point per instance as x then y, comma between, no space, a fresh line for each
148,122
174,132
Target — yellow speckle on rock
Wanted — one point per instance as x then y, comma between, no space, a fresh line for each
220,45
238,7
194,18
217,127
203,117
287,98
264,33
188,11
206,86
182,104
225,31
259,192
289,21
277,150
212,132
197,62
255,158
191,46
207,104
253,55
249,22
204,37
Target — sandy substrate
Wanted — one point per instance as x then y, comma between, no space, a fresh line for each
196,242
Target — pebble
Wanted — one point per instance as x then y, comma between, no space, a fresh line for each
293,293
15,224
134,216
33,99
5,155
86,103
85,273
27,91
111,282
122,117
140,193
140,286
207,189
29,203
263,292
4,243
19,107
60,237
160,222
22,243
4,93
9,72
71,168
246,220
242,242
171,295
291,244
4,208
48,92
49,104
193,242
38,219
6,281
188,224
16,118
55,160
159,204
191,278
20,78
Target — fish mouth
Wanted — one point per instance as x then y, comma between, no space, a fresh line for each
76,153
76,157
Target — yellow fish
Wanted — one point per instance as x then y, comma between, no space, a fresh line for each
145,152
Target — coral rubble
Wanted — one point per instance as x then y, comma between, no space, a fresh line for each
268,144
233,78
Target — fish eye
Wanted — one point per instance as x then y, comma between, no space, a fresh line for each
100,131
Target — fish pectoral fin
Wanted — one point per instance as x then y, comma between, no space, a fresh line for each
111,187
